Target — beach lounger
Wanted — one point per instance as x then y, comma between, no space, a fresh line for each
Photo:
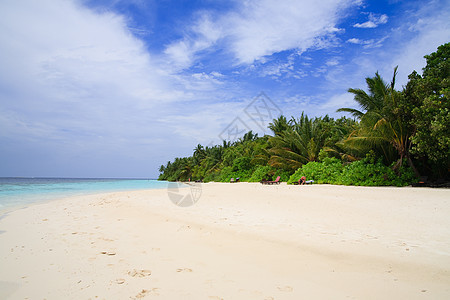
277,181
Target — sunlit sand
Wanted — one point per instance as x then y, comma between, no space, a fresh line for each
239,241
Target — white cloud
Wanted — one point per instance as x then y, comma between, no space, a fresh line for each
267,27
427,29
261,28
420,34
217,74
181,54
373,22
338,101
76,82
372,43
355,41
333,62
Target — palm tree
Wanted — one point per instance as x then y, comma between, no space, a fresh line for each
279,125
299,144
334,146
199,153
186,169
248,137
213,158
381,125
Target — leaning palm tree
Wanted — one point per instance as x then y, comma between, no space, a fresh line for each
199,151
381,125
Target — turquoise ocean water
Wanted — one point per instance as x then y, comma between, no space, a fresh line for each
19,192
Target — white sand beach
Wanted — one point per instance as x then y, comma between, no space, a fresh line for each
239,241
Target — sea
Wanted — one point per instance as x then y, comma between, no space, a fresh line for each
19,192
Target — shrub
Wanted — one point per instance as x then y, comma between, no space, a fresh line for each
284,175
226,174
260,173
365,172
327,171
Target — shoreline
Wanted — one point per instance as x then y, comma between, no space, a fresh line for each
8,209
240,241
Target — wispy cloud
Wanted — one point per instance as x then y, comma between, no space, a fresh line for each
420,32
334,61
261,28
80,85
203,35
373,22
420,35
372,43
76,81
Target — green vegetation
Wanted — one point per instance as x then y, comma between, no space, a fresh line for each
364,172
393,138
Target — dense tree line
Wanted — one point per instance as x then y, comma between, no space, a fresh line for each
394,138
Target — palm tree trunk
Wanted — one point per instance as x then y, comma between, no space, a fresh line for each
410,163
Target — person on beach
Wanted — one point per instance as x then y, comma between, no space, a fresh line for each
302,180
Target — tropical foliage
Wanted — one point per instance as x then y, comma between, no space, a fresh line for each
382,125
392,138
366,172
428,102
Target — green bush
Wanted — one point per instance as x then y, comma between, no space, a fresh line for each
242,164
284,175
260,173
226,174
327,171
212,176
365,172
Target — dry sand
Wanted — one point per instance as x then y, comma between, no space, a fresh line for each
239,241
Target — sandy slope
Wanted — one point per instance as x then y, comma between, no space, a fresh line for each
239,241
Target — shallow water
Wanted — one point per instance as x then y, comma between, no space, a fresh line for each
17,192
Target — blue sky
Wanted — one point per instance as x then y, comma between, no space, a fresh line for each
116,88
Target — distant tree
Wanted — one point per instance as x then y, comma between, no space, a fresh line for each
279,125
248,137
199,152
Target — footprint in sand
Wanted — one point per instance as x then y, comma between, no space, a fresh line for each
285,288
106,239
120,281
110,253
184,270
139,273
144,293
184,227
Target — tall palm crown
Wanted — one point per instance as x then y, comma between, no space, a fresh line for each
298,144
381,123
